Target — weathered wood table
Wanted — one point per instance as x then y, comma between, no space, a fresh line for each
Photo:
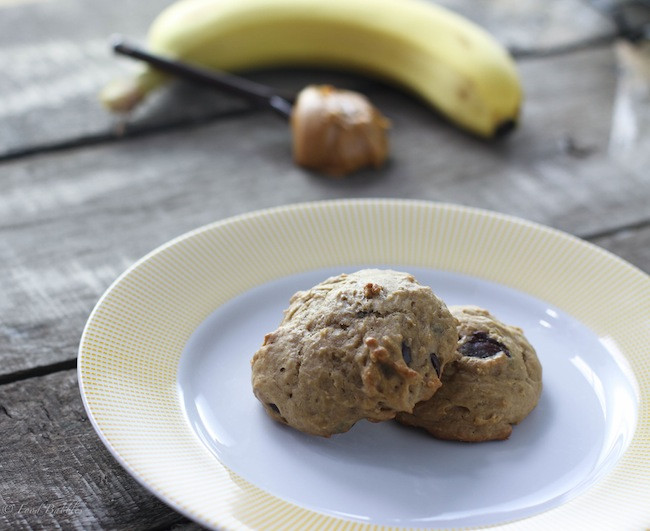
84,194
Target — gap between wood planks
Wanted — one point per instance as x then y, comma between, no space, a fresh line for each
107,137
636,225
41,370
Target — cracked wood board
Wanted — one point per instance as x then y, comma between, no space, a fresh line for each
56,472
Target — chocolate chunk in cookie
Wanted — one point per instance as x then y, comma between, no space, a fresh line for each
480,345
494,382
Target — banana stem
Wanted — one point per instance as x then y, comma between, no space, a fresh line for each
255,92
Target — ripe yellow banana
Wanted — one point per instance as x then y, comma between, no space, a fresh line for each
446,60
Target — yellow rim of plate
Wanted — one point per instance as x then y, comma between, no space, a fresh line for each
130,348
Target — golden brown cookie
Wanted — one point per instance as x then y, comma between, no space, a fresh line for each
360,346
494,382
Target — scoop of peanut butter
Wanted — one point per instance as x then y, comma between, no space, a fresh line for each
337,131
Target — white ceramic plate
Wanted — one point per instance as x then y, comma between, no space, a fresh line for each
165,376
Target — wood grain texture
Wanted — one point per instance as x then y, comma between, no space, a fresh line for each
53,67
56,473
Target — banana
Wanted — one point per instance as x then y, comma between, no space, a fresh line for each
447,61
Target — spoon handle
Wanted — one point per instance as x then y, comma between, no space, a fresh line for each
255,92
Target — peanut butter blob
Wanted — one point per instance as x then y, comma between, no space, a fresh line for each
337,131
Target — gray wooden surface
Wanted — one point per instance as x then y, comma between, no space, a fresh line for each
83,195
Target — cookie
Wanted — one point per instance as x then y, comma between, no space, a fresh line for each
494,382
365,345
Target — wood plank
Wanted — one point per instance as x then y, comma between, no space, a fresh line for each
54,67
57,474
530,25
72,221
631,244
